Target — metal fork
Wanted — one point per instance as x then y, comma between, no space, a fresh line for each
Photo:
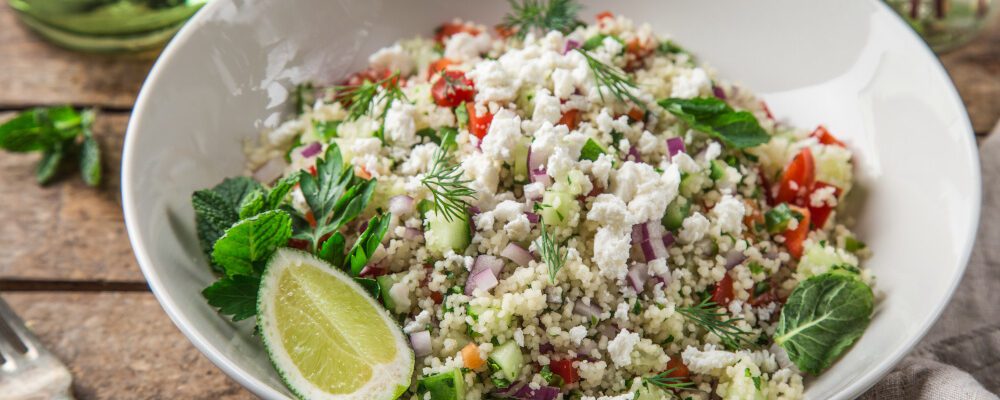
28,371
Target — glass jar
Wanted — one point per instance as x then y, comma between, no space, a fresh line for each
945,24
106,25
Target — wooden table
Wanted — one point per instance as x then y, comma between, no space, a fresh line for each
67,267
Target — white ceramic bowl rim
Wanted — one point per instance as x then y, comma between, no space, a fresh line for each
239,374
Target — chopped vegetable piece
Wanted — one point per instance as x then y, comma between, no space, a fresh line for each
471,358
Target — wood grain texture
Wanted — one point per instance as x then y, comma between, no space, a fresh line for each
66,230
33,72
122,346
975,69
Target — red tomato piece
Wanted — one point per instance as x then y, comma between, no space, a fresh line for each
797,181
677,368
770,296
448,29
453,88
822,213
437,297
723,292
570,118
636,114
439,65
565,370
825,137
479,125
795,238
300,244
311,219
604,14
504,31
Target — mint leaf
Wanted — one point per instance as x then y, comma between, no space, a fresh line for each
90,151
244,248
364,247
217,209
252,204
591,150
49,164
236,296
737,129
823,316
276,196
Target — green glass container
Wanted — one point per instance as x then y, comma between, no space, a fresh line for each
946,24
108,26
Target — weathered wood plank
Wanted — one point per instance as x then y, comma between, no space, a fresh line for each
34,72
122,346
975,68
65,231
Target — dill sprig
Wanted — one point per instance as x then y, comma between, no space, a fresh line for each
613,79
450,191
552,255
542,16
665,382
364,98
710,316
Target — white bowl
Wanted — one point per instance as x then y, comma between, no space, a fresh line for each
853,66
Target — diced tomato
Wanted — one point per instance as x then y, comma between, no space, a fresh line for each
723,292
439,65
677,368
822,213
300,244
479,125
504,31
767,111
453,88
798,178
825,137
363,173
636,114
312,170
795,238
311,219
565,370
570,118
437,297
447,29
370,75
604,14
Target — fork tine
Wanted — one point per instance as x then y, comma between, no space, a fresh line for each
15,339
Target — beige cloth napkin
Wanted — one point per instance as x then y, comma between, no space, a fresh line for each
960,356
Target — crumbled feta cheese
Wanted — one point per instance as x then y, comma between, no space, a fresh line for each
464,46
646,192
607,210
534,191
484,173
607,124
492,83
503,136
400,129
686,164
620,348
709,360
611,251
694,228
728,213
420,159
601,169
689,83
392,58
577,333
563,84
547,108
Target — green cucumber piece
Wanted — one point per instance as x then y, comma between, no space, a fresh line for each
676,212
443,235
558,207
444,386
385,283
520,167
717,170
506,360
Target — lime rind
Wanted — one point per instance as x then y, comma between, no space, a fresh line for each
387,380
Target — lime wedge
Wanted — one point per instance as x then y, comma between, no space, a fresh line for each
326,336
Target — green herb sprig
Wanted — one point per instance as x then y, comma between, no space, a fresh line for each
60,134
613,80
736,129
712,318
450,191
363,99
553,256
542,16
664,381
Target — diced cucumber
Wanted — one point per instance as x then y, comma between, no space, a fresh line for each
558,207
591,150
649,392
444,386
717,170
474,311
676,212
462,116
526,100
520,167
778,218
596,41
691,184
423,206
443,235
506,360
385,283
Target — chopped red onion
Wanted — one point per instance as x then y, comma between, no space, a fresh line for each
401,205
633,154
718,92
637,276
537,160
675,145
587,310
608,330
483,280
668,239
638,233
539,175
312,149
532,217
517,254
523,391
421,342
473,210
546,348
734,258
570,46
413,234
270,171
486,261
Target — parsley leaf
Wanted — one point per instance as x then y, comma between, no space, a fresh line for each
334,195
823,316
246,246
591,150
366,244
737,129
236,296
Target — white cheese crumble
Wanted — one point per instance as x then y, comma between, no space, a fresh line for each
392,58
620,348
